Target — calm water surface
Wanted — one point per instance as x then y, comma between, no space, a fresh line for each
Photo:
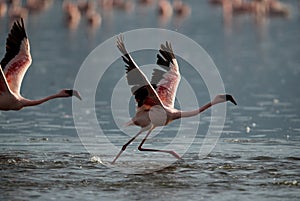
257,157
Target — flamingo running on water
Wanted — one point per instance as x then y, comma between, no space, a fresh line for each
14,65
155,102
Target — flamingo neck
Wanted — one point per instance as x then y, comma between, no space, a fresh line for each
183,114
28,103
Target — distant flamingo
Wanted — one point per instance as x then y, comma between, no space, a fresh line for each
3,8
165,9
181,9
72,14
94,19
14,65
155,102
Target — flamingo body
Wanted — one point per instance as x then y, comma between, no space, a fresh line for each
155,99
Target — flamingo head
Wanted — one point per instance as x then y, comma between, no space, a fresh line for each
223,98
69,93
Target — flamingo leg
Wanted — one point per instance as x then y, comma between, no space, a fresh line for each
156,150
125,146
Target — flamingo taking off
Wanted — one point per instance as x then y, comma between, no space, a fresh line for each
155,102
14,65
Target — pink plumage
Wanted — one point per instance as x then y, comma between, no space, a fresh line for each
155,99
14,65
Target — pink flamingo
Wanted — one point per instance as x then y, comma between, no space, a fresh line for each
14,65
165,9
155,102
181,9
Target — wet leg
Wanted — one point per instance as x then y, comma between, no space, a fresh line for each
125,146
156,150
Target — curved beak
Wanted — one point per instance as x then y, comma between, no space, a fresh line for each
230,98
76,94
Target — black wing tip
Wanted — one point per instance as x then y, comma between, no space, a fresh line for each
126,57
120,44
121,47
14,40
165,56
167,48
19,27
120,37
161,61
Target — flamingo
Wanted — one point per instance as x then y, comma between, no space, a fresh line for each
165,8
14,65
72,14
181,9
155,102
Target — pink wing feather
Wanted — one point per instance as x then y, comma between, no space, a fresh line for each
4,89
166,80
17,58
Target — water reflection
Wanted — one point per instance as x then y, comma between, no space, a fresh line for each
42,157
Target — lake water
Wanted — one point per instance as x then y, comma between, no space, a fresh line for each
256,158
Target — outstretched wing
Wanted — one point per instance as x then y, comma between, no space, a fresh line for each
167,78
145,94
17,58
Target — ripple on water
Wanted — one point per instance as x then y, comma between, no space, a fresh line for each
220,171
253,108
262,158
